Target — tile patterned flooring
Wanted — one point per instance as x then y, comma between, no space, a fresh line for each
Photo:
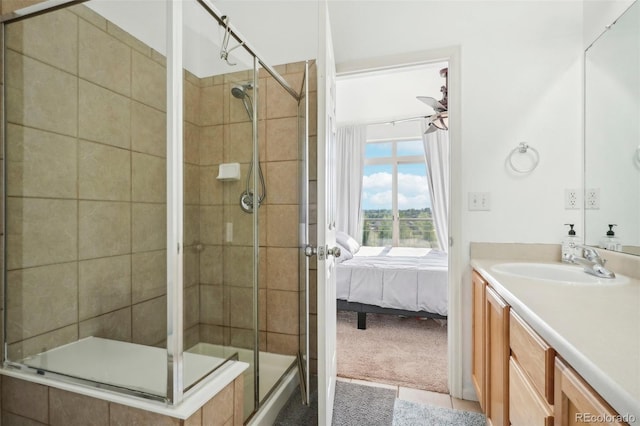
422,396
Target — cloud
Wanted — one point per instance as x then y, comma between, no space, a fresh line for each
413,191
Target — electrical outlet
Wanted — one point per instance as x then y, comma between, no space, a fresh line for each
479,201
571,199
592,199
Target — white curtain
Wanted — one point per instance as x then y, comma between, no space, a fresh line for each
349,165
436,150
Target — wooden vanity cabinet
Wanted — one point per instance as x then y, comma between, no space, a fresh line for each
477,366
576,403
530,376
496,359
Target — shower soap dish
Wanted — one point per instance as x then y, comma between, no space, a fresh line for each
229,172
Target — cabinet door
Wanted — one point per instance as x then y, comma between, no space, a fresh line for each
576,403
477,372
497,359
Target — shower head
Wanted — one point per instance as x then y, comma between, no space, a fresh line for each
240,90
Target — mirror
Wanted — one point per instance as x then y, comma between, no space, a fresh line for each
612,135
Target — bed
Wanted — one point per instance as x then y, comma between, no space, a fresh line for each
392,280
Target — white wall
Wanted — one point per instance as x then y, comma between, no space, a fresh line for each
521,73
600,13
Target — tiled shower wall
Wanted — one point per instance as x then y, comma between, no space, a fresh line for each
86,173
101,241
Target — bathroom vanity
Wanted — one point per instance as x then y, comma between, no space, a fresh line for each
549,351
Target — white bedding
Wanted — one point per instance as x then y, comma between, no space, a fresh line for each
395,277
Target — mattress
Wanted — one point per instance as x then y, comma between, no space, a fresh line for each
396,277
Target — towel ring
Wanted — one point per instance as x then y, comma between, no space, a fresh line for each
522,148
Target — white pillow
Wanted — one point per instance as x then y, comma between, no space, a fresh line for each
347,242
344,254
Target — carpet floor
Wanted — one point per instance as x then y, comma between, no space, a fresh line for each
399,351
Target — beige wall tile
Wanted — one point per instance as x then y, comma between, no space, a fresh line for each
149,81
192,103
210,265
191,268
191,306
211,189
149,231
195,419
51,38
114,325
13,5
211,145
243,338
121,415
211,227
213,334
191,337
104,229
191,143
282,268
242,225
149,321
149,182
212,105
238,401
103,59
15,420
128,39
220,408
191,180
286,344
51,236
280,103
69,408
212,305
280,233
41,299
283,182
191,225
238,266
40,95
282,139
88,15
25,399
231,190
240,306
282,311
43,342
40,164
104,172
239,147
149,278
148,130
104,285
105,116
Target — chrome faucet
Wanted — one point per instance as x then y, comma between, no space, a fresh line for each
591,262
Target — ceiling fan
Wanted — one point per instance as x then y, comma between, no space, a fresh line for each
439,120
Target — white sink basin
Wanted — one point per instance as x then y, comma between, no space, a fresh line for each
563,274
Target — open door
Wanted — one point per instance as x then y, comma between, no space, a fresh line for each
326,238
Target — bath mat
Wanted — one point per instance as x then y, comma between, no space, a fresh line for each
358,405
407,413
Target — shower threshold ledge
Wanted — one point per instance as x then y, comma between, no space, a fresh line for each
130,366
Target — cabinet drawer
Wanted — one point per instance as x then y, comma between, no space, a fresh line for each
526,408
534,356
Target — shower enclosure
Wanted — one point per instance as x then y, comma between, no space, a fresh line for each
124,246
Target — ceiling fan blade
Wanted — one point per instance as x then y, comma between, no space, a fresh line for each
433,103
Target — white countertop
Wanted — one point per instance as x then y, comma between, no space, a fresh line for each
595,328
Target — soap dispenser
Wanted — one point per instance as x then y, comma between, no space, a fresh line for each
569,243
610,241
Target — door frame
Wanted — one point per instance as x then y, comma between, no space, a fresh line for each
452,55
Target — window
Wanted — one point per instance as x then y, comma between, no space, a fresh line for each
395,195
